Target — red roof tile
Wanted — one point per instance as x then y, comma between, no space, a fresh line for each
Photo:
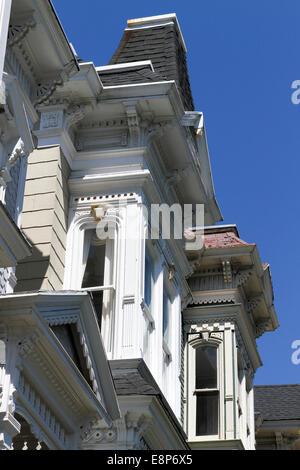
222,240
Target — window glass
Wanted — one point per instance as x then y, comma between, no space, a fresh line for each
206,367
207,413
69,338
94,268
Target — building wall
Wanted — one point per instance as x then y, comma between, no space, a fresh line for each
44,220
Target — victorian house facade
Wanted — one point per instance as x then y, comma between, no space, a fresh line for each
121,342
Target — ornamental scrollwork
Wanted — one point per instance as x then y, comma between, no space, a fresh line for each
18,30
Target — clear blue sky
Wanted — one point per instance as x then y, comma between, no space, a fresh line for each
243,56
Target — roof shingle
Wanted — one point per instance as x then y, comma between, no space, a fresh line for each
162,45
141,74
277,402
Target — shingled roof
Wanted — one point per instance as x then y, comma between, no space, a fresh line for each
142,74
132,377
277,402
161,42
222,237
132,383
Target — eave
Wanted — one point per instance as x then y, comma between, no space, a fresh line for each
35,312
259,283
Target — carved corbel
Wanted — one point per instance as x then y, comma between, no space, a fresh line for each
46,88
227,271
176,176
261,327
76,113
27,345
18,30
253,303
18,152
155,129
242,276
133,124
137,425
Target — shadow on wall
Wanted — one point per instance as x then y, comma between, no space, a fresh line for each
33,272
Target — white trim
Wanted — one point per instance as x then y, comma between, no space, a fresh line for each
191,414
147,312
155,21
5,7
127,65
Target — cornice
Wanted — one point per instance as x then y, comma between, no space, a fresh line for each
220,314
111,181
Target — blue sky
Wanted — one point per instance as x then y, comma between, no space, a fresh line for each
243,56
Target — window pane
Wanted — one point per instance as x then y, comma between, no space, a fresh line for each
207,421
206,367
94,270
98,304
64,334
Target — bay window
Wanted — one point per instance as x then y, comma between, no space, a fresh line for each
203,388
206,391
90,267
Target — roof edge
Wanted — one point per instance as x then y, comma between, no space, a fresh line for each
156,21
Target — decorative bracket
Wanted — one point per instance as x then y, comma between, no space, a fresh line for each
227,271
27,345
18,30
242,276
45,89
253,303
133,124
18,152
261,327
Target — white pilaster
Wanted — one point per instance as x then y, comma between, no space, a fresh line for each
230,391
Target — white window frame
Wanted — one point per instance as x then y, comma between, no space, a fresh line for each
193,344
108,266
147,309
74,265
